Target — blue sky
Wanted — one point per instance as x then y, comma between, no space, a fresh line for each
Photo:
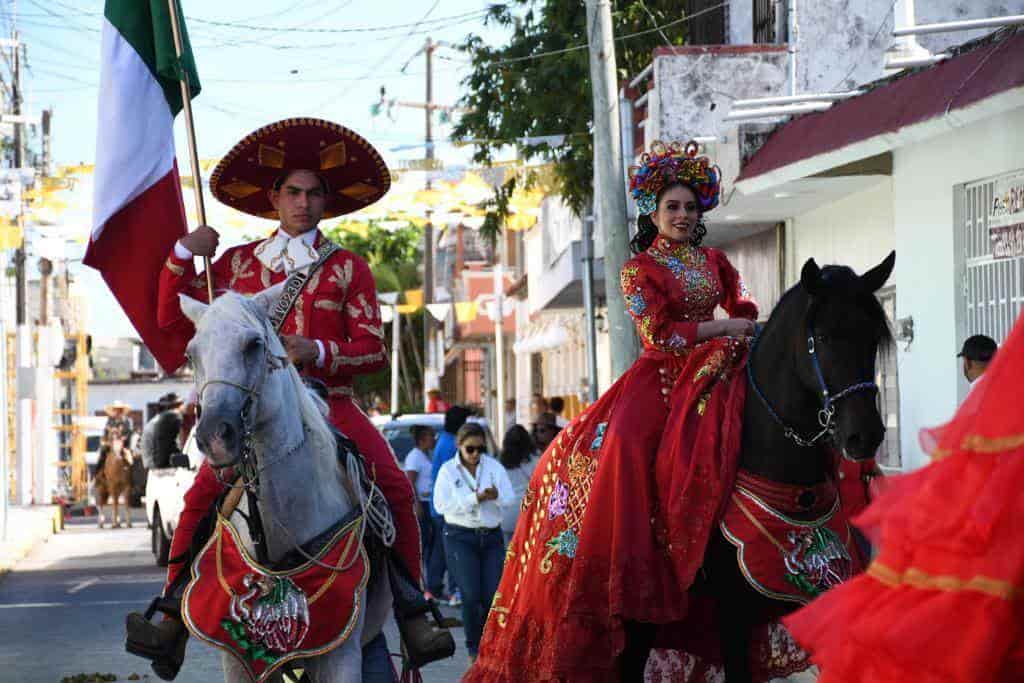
259,61
252,76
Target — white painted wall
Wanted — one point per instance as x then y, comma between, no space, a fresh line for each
855,231
135,394
924,176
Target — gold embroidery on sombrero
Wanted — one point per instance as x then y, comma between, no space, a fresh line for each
333,156
240,189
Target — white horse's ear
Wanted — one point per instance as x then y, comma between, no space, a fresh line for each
192,308
266,299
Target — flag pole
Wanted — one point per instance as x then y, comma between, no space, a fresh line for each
190,129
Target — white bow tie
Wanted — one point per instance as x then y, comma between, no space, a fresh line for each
285,253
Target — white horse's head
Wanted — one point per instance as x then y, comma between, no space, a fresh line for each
244,379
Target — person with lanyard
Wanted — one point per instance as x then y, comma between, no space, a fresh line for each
297,172
444,451
471,492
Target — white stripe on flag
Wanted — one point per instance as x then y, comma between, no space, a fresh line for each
135,138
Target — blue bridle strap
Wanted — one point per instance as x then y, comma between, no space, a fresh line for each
827,413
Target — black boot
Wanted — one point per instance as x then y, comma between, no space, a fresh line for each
162,643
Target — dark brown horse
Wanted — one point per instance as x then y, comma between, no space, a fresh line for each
811,396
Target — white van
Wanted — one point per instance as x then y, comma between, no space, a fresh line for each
165,498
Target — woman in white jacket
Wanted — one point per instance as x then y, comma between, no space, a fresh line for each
471,492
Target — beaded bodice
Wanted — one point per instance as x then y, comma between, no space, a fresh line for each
700,289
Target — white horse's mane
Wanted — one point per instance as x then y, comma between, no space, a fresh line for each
236,308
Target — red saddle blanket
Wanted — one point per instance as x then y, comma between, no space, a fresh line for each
787,551
266,618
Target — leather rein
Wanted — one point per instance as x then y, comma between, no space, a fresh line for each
826,416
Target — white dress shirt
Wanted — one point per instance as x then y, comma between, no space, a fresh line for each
277,252
455,493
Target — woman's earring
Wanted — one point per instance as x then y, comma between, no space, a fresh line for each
699,231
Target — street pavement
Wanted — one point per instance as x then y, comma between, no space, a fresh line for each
62,610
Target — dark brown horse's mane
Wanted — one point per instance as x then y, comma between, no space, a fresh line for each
840,306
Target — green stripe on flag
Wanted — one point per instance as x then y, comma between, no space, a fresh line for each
146,26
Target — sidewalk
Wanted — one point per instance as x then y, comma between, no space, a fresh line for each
27,525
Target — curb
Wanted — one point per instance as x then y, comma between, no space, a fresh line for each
39,524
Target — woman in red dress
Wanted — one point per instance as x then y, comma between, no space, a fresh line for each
942,600
595,556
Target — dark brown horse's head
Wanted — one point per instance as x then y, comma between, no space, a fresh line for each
844,329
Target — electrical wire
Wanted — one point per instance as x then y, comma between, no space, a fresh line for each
857,62
574,48
361,29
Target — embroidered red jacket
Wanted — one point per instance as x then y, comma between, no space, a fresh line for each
338,306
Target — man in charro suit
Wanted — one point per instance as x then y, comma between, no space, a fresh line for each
299,171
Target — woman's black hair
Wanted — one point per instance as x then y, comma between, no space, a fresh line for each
468,431
646,230
517,447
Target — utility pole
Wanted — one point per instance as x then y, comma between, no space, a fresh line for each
609,188
428,229
47,148
19,256
24,470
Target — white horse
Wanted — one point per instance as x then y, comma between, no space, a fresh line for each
240,362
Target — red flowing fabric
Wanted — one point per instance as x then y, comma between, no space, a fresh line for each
593,547
942,601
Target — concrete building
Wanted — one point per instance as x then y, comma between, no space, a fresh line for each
911,161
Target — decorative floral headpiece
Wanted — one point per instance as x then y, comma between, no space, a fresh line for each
671,163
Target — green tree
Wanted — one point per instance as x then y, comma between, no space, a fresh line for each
518,89
394,257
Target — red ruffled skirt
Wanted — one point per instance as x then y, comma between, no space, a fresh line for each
944,599
593,547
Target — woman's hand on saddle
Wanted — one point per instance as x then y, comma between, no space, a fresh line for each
301,351
202,241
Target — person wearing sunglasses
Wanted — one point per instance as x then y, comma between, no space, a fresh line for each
471,492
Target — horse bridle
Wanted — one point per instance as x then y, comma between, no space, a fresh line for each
826,416
248,413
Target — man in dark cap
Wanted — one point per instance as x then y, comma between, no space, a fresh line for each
977,353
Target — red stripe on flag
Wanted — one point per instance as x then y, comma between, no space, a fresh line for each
130,254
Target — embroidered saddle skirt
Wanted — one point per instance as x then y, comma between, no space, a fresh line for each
792,543
267,618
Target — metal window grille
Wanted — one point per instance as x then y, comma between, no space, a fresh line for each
991,292
887,378
765,21
706,29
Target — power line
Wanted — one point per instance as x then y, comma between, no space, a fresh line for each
361,29
574,48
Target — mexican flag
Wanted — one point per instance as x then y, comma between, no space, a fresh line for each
138,213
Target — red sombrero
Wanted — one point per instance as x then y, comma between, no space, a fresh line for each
355,173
